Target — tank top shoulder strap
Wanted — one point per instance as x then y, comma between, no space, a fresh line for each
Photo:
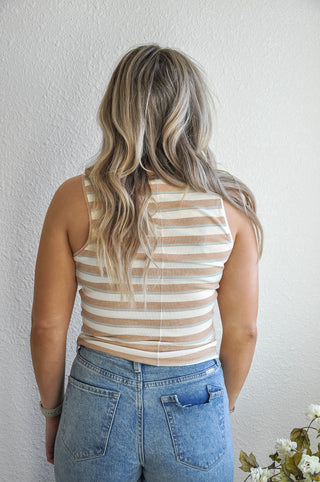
89,199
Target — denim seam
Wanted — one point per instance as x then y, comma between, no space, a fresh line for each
94,389
181,379
167,381
105,373
139,401
170,417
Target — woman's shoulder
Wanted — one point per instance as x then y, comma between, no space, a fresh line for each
71,202
71,186
70,193
240,226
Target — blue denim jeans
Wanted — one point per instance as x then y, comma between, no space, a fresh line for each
124,421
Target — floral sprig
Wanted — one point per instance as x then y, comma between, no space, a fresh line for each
293,459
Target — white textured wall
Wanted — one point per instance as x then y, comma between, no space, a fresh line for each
263,62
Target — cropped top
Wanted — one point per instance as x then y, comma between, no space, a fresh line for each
175,327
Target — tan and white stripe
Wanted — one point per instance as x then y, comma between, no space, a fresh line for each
175,328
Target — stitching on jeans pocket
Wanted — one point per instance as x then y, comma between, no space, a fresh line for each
197,430
87,416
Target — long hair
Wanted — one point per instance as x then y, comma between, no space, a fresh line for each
155,116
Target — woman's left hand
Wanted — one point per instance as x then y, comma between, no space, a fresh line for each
52,424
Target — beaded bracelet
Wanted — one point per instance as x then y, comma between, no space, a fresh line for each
51,412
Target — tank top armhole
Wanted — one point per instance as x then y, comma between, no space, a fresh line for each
89,215
227,222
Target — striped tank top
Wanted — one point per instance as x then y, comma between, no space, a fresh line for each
175,327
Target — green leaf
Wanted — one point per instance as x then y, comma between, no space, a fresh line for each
297,457
317,454
247,461
275,457
290,467
301,437
284,477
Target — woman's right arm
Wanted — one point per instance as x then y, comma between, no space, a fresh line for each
238,294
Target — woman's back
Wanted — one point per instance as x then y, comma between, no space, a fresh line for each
195,240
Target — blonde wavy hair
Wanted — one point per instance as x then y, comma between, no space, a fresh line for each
155,116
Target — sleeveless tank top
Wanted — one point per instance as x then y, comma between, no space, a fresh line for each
175,327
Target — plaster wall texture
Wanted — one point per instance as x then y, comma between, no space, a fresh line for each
263,66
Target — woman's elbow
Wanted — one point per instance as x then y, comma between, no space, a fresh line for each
245,333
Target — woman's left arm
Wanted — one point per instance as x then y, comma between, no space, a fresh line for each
55,288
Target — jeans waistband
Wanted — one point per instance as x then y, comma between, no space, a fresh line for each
111,362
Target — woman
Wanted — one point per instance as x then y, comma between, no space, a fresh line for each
154,233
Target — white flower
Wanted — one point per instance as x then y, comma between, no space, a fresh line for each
285,446
309,465
259,475
313,411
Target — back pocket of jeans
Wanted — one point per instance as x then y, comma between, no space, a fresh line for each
197,430
86,419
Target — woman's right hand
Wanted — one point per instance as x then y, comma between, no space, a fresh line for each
52,425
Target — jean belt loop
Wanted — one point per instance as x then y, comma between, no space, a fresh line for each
137,366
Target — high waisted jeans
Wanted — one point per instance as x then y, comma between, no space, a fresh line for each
124,421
